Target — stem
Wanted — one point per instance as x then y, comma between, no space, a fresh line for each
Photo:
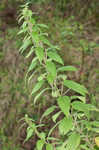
62,89
66,91
53,128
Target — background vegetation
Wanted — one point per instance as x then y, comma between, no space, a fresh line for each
73,26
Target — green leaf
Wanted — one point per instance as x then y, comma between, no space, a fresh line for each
42,135
64,104
76,87
40,53
49,147
95,130
52,138
41,77
25,45
95,123
35,37
77,105
54,47
43,25
51,68
60,148
37,86
84,147
39,144
65,125
23,30
50,78
62,76
38,95
54,56
73,141
29,133
91,107
31,76
32,20
45,41
30,52
24,24
33,64
82,98
66,68
54,117
21,18
48,111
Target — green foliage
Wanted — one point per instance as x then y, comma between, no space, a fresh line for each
73,141
76,87
48,111
65,125
75,129
64,104
66,68
40,144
